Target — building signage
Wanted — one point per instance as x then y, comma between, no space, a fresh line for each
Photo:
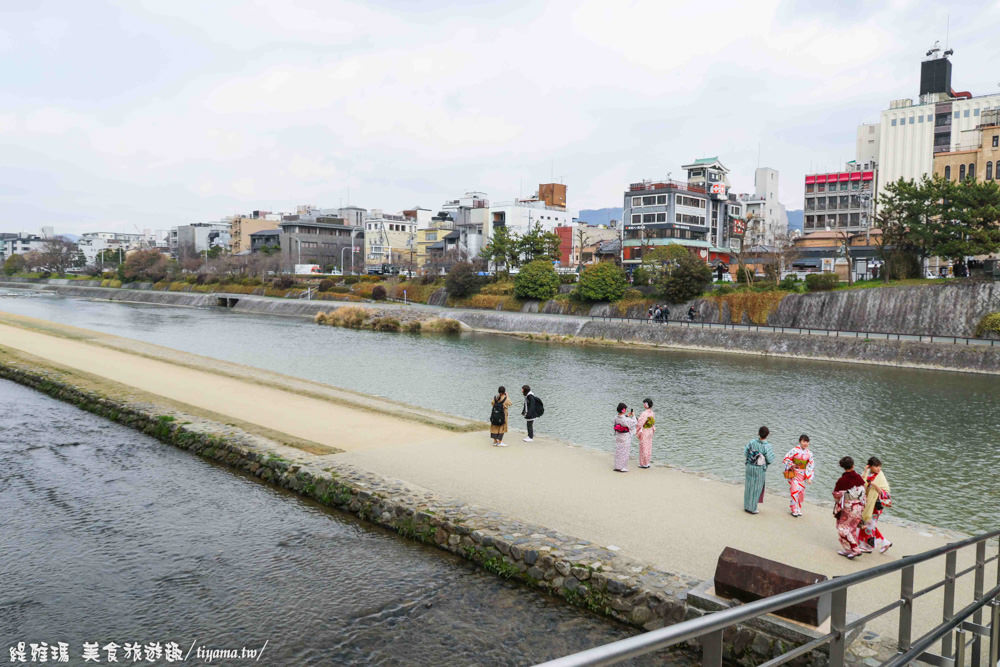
739,227
718,189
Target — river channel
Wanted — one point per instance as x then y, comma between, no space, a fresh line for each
938,433
107,535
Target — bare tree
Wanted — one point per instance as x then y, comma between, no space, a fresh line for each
58,254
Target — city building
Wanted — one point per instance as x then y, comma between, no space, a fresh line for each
199,237
470,215
439,227
267,240
840,200
390,241
696,214
576,240
910,135
318,236
546,209
242,226
770,220
422,216
92,244
827,252
867,145
22,243
978,156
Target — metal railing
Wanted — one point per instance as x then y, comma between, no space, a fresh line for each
835,333
708,629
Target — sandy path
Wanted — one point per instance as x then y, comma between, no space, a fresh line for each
675,520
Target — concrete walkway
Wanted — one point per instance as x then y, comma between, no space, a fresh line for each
677,521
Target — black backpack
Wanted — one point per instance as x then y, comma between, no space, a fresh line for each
497,417
539,408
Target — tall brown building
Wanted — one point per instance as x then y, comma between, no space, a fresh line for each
553,194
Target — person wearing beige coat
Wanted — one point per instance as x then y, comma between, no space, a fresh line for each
497,430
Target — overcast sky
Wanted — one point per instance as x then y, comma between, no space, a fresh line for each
148,114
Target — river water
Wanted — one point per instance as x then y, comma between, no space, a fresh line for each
937,433
107,535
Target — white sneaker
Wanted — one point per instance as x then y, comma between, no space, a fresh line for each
501,444
527,439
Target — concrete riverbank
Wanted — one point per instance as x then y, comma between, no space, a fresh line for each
585,330
552,515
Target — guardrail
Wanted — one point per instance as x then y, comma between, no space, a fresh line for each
834,333
709,629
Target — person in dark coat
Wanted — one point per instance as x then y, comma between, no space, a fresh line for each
532,410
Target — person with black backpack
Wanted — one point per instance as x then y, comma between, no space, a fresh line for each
532,410
498,417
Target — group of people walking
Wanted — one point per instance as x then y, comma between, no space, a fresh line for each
858,500
659,313
531,409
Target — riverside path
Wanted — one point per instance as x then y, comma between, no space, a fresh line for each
672,519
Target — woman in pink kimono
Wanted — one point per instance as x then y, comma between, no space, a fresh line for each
849,497
645,428
623,428
798,471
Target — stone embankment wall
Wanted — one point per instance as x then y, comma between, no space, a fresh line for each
584,574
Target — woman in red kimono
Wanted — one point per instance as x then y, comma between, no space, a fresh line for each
849,497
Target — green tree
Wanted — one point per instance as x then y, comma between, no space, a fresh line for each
603,281
537,280
144,265
462,280
13,264
499,249
976,214
214,252
685,280
658,259
538,244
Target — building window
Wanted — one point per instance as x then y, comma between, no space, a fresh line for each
989,171
820,187
966,114
972,171
636,219
649,217
961,172
894,122
649,201
661,199
911,120
854,185
956,114
975,112
947,173
996,140
843,185
810,187
920,118
661,217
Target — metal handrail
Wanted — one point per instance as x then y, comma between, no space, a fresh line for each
713,624
887,335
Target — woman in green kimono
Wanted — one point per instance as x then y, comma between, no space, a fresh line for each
758,454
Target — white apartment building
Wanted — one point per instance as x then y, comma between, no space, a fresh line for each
769,214
911,133
22,243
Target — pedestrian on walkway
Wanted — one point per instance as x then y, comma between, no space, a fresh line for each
849,505
758,454
665,313
532,410
623,428
691,314
646,427
799,466
499,414
877,498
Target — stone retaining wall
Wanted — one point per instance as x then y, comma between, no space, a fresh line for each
584,574
910,354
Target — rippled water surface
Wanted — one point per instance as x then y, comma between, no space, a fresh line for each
108,535
938,433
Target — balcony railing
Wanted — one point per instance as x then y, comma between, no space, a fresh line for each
664,184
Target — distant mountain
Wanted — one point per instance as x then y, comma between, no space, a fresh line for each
795,220
600,216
